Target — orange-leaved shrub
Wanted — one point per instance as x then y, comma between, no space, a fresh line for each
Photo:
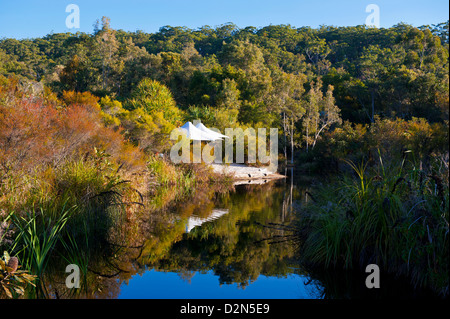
36,136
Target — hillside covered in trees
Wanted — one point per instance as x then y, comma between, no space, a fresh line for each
301,80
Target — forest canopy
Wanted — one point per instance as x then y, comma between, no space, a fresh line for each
302,80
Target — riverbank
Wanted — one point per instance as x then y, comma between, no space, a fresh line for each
392,215
90,206
244,172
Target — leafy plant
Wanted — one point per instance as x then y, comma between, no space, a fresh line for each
392,215
38,235
13,280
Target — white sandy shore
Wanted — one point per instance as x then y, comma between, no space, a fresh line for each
241,171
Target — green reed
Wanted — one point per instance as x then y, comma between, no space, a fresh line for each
394,215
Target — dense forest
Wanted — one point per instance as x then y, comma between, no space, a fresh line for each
82,116
302,80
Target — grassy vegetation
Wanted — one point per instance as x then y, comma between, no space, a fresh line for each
74,204
185,177
67,212
392,214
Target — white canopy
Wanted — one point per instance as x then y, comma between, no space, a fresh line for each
195,134
210,132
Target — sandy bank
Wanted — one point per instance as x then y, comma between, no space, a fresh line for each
243,172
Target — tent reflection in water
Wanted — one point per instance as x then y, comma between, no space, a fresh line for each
194,221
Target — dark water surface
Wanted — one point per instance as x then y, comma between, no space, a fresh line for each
241,245
238,245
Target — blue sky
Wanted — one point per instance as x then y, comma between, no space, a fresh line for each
36,18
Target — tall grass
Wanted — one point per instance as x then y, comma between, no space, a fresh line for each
71,213
37,236
76,250
394,215
62,211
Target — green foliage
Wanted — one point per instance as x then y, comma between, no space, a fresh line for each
300,80
153,115
13,280
75,109
394,215
153,96
37,236
395,138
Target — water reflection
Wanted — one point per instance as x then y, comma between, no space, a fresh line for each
194,221
226,236
172,285
233,242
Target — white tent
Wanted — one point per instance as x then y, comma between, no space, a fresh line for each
210,132
195,134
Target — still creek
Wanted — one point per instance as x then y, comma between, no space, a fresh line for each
234,244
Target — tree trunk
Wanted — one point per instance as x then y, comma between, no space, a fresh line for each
316,136
292,141
373,105
307,137
285,138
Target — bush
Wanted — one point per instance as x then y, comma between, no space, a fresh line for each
393,215
39,143
393,137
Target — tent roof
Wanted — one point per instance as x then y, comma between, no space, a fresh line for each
210,132
196,134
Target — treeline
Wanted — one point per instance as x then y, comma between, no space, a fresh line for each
301,80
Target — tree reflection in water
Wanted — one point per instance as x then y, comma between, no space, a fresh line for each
235,245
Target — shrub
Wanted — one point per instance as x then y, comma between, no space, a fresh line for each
394,215
12,280
393,137
37,139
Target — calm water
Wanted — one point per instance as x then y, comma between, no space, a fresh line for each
166,285
232,245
